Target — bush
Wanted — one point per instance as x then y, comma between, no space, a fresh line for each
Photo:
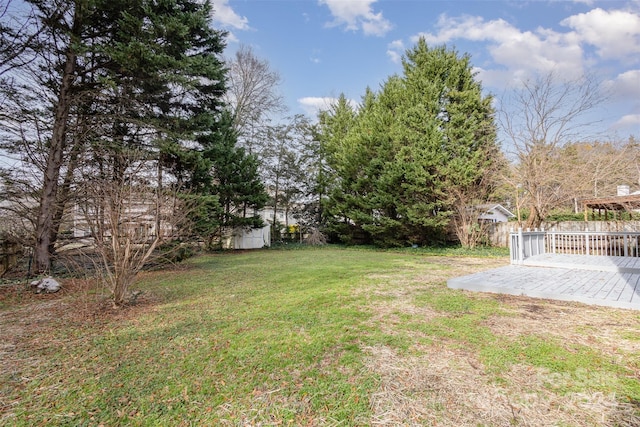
173,252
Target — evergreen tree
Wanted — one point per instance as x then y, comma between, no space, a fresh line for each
136,113
413,151
233,179
127,80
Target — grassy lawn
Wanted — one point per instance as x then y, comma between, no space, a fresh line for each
315,336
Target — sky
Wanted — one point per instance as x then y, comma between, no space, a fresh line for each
324,48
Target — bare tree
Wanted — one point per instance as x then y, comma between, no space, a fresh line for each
281,165
470,202
595,169
251,93
466,222
544,115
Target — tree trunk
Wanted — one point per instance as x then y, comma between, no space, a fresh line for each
159,192
274,232
49,196
64,192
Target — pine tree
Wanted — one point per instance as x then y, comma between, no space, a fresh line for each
127,80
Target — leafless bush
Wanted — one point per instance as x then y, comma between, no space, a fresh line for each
127,218
316,237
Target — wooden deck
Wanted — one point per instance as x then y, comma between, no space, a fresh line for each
596,280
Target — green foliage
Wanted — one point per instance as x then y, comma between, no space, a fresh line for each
233,177
559,216
172,252
204,216
564,216
402,160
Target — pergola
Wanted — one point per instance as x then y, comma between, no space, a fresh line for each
615,204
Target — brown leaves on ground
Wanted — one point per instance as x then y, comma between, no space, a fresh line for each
31,327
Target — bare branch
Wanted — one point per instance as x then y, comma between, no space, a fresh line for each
545,115
251,91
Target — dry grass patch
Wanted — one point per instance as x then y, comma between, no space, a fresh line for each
449,387
605,329
441,377
392,295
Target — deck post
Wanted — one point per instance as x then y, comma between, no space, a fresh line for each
625,242
520,246
586,241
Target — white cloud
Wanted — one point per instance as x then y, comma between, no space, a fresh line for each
395,50
227,17
614,33
498,78
232,38
522,53
470,28
312,105
630,121
625,85
357,15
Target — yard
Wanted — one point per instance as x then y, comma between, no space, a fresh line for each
315,337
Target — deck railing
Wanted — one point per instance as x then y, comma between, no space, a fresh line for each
525,244
624,243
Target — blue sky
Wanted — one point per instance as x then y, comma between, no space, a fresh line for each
322,48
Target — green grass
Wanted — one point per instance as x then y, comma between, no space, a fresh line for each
449,250
272,337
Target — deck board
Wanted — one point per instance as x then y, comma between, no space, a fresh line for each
587,262
597,280
632,292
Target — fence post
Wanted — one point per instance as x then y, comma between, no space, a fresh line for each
513,246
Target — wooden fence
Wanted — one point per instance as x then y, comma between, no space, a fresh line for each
10,251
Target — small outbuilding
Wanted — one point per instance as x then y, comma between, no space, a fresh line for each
250,238
494,212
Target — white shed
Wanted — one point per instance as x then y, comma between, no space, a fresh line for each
251,238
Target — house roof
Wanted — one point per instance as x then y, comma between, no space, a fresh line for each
496,206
